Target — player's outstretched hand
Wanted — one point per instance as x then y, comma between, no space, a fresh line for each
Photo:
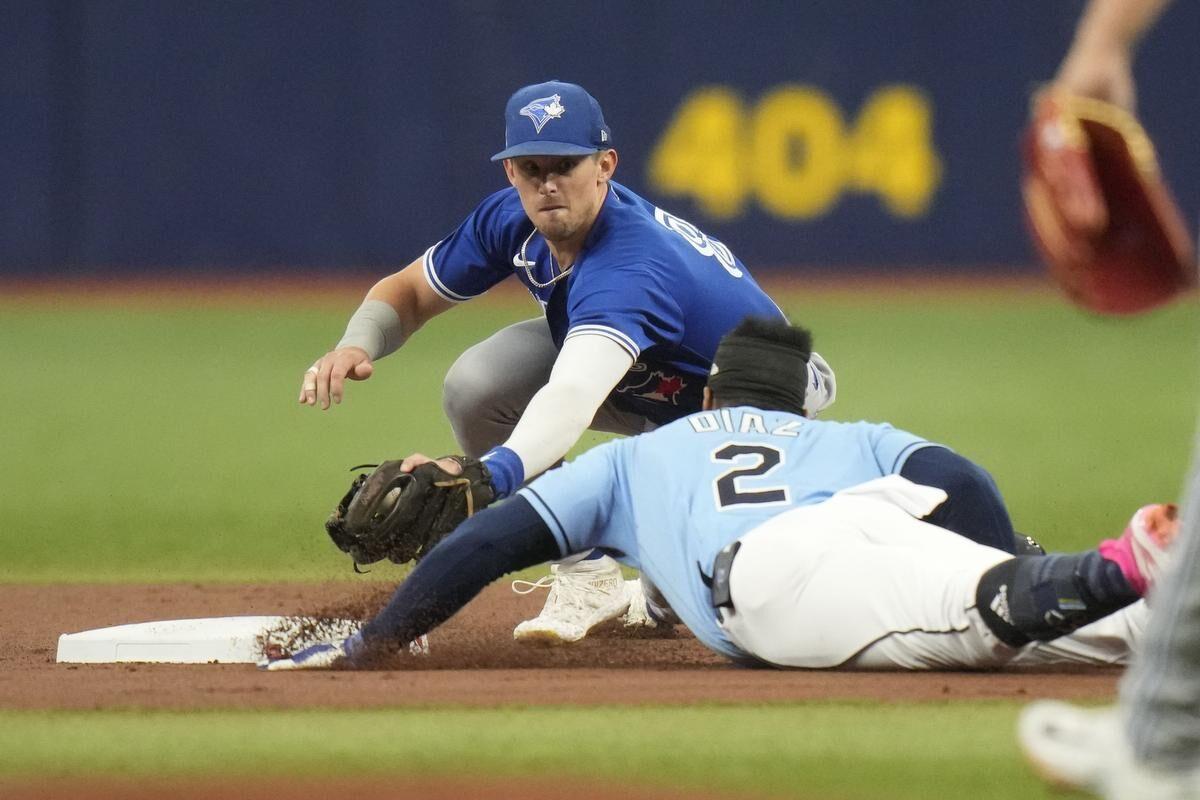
326,655
332,655
318,656
324,381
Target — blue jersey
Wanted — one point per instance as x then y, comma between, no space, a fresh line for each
649,281
666,502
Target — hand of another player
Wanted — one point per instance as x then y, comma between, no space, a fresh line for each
324,381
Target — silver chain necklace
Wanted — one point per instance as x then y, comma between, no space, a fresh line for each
526,263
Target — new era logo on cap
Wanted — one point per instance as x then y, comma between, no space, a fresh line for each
578,124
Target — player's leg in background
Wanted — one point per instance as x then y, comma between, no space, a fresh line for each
1160,691
489,386
974,509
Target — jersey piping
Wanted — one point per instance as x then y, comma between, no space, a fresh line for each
615,335
435,282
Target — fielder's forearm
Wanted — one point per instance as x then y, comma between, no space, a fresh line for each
498,540
376,328
1117,23
394,309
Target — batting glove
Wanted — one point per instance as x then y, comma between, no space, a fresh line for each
318,656
328,655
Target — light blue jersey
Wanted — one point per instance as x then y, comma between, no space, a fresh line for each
666,502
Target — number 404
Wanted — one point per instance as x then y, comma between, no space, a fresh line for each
795,155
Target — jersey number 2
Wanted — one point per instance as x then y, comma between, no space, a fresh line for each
725,487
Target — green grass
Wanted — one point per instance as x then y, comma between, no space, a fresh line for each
144,444
1080,419
826,750
166,444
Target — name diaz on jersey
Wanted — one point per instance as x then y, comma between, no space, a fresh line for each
740,420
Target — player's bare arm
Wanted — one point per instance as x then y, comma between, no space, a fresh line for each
1099,63
407,304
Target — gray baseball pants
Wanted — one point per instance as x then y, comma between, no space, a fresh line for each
1161,691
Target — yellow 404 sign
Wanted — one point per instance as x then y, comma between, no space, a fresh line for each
793,153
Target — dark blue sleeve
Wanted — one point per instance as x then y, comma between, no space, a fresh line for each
498,540
974,507
477,255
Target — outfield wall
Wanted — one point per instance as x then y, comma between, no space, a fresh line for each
142,136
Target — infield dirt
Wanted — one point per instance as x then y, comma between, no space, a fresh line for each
474,660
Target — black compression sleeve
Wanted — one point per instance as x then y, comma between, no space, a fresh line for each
501,539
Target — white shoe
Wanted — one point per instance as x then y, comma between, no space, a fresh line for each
1077,748
637,615
583,595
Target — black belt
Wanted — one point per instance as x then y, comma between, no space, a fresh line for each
722,565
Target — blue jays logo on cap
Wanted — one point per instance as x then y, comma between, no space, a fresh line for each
543,110
577,132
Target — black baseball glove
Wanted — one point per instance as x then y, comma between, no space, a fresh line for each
400,516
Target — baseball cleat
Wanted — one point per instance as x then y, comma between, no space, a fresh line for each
1142,550
583,594
1085,749
1067,746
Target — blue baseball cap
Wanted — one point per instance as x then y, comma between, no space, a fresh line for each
553,119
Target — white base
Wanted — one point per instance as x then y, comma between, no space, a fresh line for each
219,640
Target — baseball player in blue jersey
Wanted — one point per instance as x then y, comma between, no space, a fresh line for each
634,300
778,539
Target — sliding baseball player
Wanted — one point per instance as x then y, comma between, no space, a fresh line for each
633,302
778,540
